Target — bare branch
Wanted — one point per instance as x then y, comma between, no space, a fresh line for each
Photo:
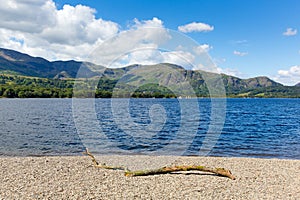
164,170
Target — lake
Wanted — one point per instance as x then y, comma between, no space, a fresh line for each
265,128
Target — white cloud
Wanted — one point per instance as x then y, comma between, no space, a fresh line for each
155,22
38,28
238,53
195,27
182,58
293,71
154,56
142,36
231,72
30,16
290,76
148,56
77,25
203,48
290,32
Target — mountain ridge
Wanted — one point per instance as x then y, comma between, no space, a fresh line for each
24,64
16,63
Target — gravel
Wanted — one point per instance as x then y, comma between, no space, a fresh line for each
76,178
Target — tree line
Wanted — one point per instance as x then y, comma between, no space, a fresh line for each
14,86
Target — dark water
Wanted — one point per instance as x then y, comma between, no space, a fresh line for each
266,128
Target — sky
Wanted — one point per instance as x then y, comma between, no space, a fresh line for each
244,38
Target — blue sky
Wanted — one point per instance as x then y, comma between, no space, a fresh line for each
248,37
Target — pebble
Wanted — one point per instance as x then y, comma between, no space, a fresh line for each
72,178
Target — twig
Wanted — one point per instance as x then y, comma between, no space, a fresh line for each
103,166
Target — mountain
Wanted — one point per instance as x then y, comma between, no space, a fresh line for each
144,80
22,64
297,85
170,74
18,63
13,62
236,85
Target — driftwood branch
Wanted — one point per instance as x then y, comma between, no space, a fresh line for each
103,166
164,170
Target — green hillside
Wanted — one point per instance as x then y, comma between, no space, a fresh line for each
13,62
24,76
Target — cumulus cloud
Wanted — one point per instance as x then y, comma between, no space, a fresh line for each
202,48
154,56
293,71
30,16
290,32
77,25
238,53
195,27
142,36
154,22
141,45
290,76
38,28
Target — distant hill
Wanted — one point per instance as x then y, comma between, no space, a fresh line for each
18,63
297,85
13,62
164,75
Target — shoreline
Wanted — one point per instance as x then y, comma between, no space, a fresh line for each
146,155
225,97
74,177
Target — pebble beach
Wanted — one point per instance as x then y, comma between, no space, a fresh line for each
75,177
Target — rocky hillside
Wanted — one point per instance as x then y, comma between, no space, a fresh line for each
169,74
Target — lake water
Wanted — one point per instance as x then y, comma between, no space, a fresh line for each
266,128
